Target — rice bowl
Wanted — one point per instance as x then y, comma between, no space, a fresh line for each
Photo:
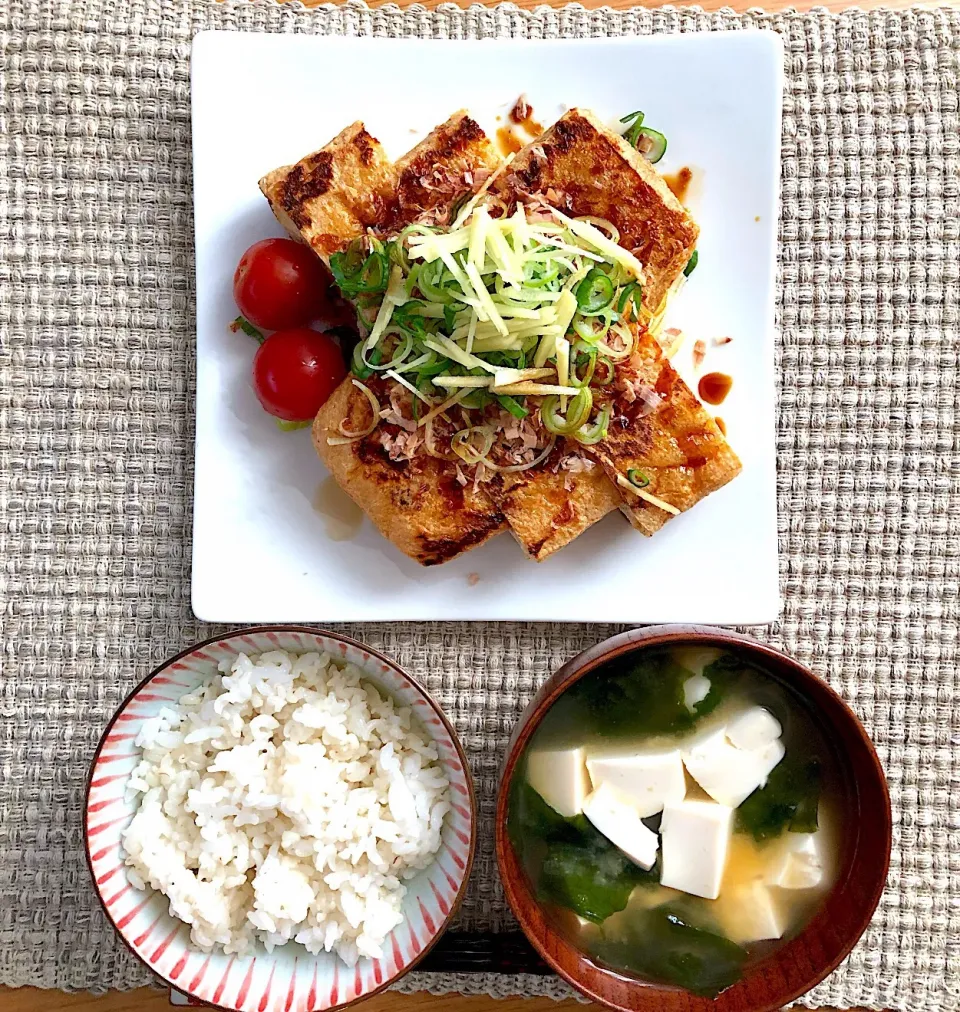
301,887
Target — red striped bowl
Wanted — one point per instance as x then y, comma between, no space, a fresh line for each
289,979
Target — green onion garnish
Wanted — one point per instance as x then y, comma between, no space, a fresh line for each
635,119
586,359
651,144
691,263
358,367
590,434
594,293
628,293
578,411
637,478
285,426
356,275
512,405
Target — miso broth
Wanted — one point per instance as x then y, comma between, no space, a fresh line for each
666,827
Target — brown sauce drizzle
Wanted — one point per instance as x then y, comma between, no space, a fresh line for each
508,142
714,387
341,515
679,182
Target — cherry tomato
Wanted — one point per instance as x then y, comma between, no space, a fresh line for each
295,371
280,283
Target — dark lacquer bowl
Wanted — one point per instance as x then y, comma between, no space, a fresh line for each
862,863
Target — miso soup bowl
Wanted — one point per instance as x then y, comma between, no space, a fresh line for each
804,960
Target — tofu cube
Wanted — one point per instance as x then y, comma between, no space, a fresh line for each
695,837
649,780
695,690
754,728
559,776
613,815
727,773
797,862
751,913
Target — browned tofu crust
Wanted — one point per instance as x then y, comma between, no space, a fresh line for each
334,194
677,445
547,508
444,167
594,171
349,186
418,505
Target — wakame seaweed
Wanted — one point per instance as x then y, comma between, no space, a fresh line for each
662,944
582,869
643,694
790,800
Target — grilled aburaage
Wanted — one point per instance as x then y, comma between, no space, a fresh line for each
508,376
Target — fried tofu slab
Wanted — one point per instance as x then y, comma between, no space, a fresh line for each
418,504
335,194
583,168
547,508
349,186
669,438
327,200
588,170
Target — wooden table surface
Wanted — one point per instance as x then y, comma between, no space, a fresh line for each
153,1000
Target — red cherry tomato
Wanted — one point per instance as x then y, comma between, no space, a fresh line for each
295,371
280,283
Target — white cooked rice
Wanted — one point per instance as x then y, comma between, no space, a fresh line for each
289,799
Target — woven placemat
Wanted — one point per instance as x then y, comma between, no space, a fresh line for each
96,431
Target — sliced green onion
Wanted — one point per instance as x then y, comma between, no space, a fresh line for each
346,265
635,119
604,373
578,411
408,319
359,367
691,263
463,445
637,478
400,353
284,426
587,331
594,293
450,316
590,434
433,281
374,274
583,355
628,293
412,278
651,144
512,405
356,276
476,399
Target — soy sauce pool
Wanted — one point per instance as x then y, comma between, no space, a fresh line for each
783,844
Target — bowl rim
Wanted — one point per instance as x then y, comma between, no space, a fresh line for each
340,638
589,660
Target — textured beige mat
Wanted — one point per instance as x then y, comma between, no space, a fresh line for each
96,388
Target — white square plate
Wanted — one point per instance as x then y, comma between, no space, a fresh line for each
260,552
